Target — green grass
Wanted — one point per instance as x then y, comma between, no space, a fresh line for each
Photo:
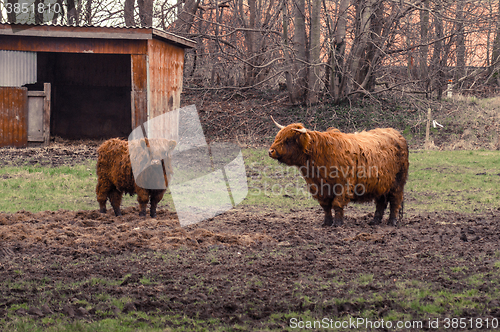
125,323
462,181
36,188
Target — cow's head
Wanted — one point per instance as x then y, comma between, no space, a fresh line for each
146,156
161,149
291,145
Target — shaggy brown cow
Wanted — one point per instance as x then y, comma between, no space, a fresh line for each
115,176
339,168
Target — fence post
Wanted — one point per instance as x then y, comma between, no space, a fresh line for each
428,142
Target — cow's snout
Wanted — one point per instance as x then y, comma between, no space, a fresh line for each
273,153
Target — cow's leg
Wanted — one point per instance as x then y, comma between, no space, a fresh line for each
327,207
156,197
381,204
338,206
102,191
143,199
339,216
115,197
395,199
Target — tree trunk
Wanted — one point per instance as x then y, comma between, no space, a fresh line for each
88,12
364,11
460,65
12,16
185,19
438,63
424,50
38,15
314,81
373,46
300,46
146,13
250,40
286,54
128,13
72,17
495,52
339,46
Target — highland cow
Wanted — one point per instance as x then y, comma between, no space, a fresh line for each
339,168
115,176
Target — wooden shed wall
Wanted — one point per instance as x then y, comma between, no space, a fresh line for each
166,65
154,80
72,45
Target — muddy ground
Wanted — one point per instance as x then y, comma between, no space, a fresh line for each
240,267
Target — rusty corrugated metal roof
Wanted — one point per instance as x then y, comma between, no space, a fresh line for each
99,32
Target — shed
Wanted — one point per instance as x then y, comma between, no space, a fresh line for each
85,82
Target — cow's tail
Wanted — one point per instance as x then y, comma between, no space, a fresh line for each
401,210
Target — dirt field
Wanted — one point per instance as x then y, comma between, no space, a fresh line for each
243,266
249,262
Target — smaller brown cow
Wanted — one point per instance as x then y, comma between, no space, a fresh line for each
115,176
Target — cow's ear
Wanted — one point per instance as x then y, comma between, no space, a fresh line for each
304,140
171,145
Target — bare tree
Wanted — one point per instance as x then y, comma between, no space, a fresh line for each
314,80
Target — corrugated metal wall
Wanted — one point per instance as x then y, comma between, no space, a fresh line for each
17,68
13,117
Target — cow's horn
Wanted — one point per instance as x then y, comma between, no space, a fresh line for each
277,124
303,130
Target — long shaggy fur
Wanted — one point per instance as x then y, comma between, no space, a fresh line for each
115,176
339,167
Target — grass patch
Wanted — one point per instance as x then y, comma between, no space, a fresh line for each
36,188
464,181
150,323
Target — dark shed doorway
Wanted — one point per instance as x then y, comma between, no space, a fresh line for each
91,94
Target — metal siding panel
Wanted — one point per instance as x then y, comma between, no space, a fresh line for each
13,119
3,110
17,68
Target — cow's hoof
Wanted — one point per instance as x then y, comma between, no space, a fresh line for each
337,222
328,222
142,213
375,221
153,215
393,222
102,210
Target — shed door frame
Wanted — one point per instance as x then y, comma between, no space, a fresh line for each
39,120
